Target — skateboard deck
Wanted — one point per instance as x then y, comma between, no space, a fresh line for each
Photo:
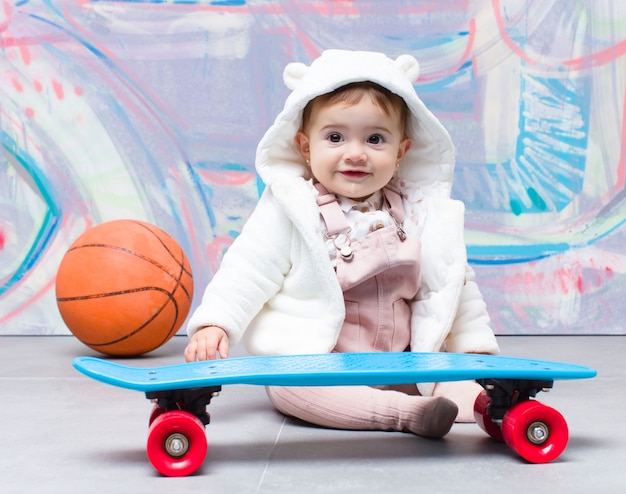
333,369
181,393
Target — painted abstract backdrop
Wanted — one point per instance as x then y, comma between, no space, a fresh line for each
153,109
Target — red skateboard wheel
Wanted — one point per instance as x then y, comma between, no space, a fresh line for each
535,431
157,411
483,419
177,443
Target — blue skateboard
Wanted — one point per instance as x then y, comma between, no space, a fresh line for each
506,409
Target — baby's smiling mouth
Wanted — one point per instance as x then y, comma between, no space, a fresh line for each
354,173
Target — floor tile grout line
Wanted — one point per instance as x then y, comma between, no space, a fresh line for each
271,455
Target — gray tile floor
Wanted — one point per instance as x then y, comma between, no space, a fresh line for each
62,432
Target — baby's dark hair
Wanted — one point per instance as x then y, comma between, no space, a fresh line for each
352,93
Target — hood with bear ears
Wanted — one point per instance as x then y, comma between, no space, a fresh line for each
430,161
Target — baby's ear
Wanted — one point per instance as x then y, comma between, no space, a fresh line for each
294,72
409,65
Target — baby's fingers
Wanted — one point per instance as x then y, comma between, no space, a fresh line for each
223,347
199,349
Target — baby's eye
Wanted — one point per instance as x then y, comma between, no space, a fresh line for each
375,139
334,137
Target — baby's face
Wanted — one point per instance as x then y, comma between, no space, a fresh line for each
353,149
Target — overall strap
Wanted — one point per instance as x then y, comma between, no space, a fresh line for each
331,212
393,201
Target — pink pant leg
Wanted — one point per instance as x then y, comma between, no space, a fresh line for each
463,394
366,408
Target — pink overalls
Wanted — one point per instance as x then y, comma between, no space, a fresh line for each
377,274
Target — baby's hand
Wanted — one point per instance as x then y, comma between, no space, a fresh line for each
206,344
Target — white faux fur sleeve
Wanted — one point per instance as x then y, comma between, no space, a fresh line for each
252,271
471,330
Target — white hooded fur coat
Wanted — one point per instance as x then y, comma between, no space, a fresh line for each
276,289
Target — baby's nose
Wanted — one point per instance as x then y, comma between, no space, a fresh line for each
355,152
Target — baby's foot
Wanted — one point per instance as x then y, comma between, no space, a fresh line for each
436,417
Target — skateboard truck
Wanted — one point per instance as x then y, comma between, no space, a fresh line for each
504,393
193,401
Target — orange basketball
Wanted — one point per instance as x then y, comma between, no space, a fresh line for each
124,287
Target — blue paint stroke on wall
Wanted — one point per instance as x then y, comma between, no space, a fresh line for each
49,222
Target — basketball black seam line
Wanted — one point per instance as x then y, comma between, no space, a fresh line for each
180,264
113,294
130,252
165,246
140,328
178,282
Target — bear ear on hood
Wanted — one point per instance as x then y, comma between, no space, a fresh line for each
409,65
294,72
